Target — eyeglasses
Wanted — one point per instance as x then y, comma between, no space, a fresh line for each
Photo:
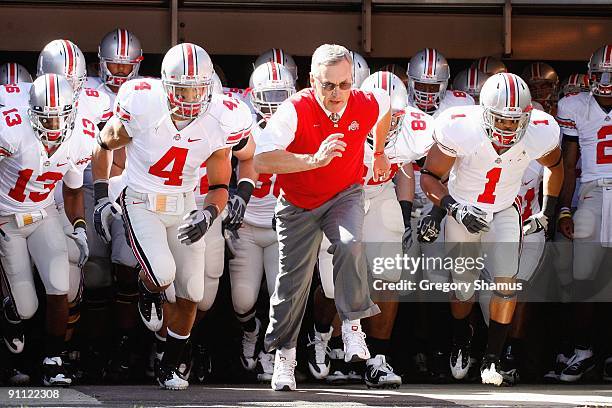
330,86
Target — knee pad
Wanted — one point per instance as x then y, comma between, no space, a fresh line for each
243,298
210,293
245,317
584,223
97,273
25,301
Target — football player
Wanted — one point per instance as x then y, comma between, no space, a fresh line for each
13,73
585,122
489,65
470,81
486,149
169,128
40,146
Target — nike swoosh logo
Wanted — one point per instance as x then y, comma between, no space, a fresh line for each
585,197
137,202
527,182
316,125
61,164
192,140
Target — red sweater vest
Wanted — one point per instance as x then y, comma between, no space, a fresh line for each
310,189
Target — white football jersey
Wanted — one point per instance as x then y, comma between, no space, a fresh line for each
96,83
530,189
580,115
260,209
412,143
450,100
163,159
28,174
91,104
480,176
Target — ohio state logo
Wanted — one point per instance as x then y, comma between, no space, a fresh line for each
354,126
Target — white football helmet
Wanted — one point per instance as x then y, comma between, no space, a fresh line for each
280,57
361,69
52,109
119,47
63,57
470,81
187,67
270,84
507,108
490,65
576,83
396,70
543,83
12,73
217,85
426,68
600,71
399,99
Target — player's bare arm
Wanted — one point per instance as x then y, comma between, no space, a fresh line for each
570,158
74,203
437,165
219,171
112,137
380,162
404,191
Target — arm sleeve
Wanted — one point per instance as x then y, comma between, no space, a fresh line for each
279,131
384,102
566,117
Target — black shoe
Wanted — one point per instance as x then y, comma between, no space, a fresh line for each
460,360
509,367
439,372
119,364
55,373
12,327
150,307
490,370
560,365
186,361
202,365
579,364
607,371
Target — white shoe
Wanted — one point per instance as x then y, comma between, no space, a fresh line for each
379,374
318,354
489,373
54,372
249,342
266,361
355,347
283,378
171,380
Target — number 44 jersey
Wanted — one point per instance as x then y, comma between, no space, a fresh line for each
480,176
29,175
163,159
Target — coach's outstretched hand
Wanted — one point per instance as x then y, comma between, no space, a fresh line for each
331,147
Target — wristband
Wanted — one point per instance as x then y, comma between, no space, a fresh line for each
100,189
378,154
564,215
213,210
79,223
406,207
447,202
245,189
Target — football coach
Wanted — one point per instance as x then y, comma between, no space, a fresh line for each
315,144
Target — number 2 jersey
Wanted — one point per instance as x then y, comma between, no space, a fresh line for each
29,175
480,176
580,115
163,159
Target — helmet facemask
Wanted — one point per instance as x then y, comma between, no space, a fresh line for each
266,100
501,136
601,82
110,79
199,91
426,99
52,125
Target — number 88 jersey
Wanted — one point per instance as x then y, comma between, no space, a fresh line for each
480,176
163,159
